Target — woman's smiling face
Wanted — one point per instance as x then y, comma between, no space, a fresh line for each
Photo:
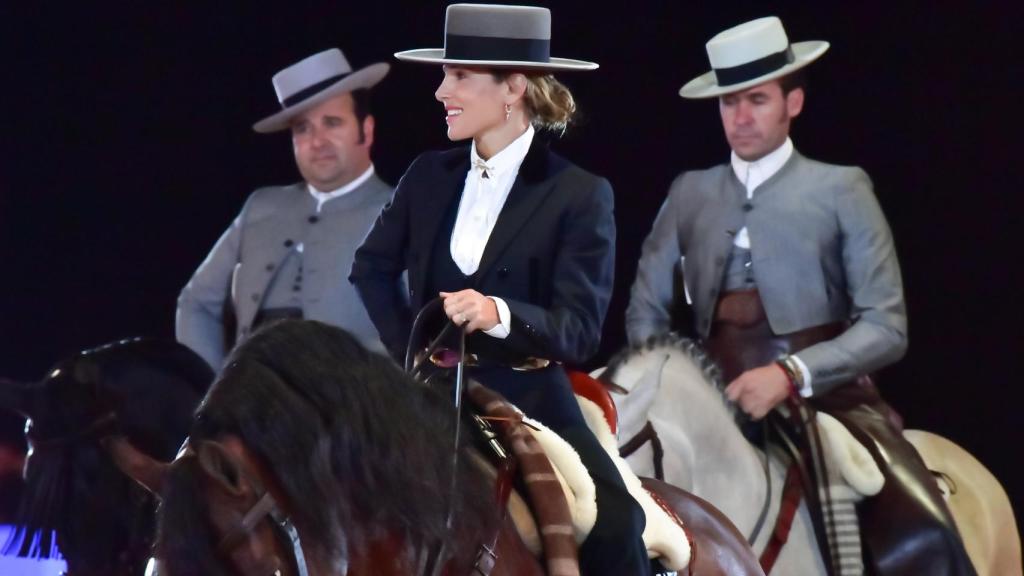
474,101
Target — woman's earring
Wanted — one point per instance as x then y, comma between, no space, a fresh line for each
508,111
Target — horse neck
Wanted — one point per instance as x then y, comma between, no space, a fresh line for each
723,466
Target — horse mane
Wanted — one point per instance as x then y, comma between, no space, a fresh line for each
72,486
358,448
673,340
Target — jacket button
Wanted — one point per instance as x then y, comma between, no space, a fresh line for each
747,207
412,292
255,296
288,243
313,219
503,272
270,267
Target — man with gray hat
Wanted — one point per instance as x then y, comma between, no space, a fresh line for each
288,252
791,272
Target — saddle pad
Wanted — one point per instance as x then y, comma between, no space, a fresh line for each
663,537
846,454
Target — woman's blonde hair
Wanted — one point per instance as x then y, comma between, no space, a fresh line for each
548,101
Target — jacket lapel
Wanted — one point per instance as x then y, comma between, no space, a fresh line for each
527,194
431,211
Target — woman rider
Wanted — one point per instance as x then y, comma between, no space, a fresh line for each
518,241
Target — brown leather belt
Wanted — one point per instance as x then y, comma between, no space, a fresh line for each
449,358
741,337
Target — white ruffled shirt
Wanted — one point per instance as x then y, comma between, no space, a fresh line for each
752,175
481,203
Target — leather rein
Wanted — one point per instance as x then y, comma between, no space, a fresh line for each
486,558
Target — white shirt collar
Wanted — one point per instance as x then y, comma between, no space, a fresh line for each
322,197
510,157
753,174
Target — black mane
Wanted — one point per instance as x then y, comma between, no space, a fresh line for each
103,520
357,446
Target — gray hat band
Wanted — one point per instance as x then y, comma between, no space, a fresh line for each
754,68
460,47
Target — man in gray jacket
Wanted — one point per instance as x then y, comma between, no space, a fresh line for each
288,252
795,287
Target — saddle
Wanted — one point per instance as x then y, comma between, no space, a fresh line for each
561,492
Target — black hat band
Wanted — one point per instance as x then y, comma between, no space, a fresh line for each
311,90
754,69
458,47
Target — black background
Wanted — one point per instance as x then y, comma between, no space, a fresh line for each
128,150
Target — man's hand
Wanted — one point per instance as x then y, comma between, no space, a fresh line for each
469,307
759,390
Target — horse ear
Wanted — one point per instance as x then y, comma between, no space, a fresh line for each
143,468
223,467
19,397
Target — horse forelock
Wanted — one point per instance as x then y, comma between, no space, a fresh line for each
350,439
185,537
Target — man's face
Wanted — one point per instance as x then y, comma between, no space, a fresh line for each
328,148
756,120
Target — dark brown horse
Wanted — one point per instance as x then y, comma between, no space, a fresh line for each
144,390
304,428
306,433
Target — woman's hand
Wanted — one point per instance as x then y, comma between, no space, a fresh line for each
471,309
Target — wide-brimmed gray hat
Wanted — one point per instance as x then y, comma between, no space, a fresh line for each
496,36
313,80
750,54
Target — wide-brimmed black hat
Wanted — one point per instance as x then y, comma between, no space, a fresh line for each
496,36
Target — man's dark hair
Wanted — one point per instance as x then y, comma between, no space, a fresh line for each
361,108
792,81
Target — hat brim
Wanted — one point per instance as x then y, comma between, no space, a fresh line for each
363,78
436,56
706,85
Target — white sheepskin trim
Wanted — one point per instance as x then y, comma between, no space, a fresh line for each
662,536
855,464
575,479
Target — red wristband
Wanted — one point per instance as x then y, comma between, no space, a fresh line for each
793,390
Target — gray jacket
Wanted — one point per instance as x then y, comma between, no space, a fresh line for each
243,263
822,252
